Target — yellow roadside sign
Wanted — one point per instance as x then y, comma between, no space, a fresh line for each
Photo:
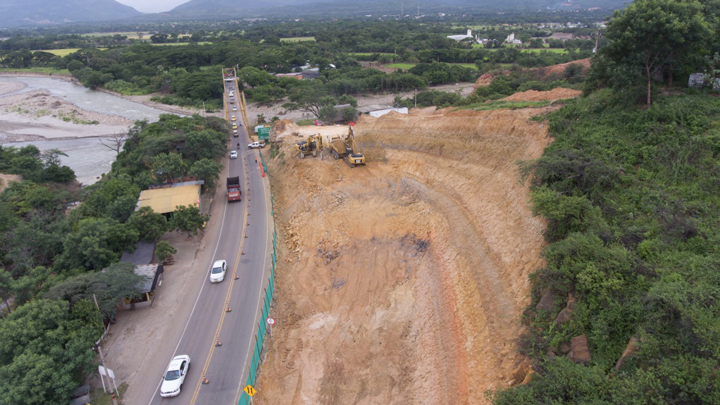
250,390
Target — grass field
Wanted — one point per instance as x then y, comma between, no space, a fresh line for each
298,39
38,70
401,65
65,51
60,52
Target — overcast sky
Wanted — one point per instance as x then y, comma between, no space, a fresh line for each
153,6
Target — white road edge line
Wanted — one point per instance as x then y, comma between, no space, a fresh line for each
262,280
222,225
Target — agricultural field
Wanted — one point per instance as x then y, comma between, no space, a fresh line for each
298,39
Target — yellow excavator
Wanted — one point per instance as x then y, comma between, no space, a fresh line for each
346,149
311,146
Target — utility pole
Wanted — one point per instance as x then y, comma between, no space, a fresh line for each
415,97
102,358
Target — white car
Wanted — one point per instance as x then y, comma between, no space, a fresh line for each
256,145
234,108
233,154
217,273
175,376
232,93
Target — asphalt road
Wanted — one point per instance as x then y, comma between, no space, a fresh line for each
226,366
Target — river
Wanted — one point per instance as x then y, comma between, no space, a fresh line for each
87,99
85,155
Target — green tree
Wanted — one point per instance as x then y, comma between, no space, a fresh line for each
148,224
121,208
163,250
254,77
207,170
168,166
45,348
328,113
96,243
188,219
656,34
349,114
110,287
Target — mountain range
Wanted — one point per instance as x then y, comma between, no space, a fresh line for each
15,13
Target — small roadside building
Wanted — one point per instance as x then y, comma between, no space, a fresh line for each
142,258
153,274
166,198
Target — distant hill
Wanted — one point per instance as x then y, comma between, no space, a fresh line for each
270,8
15,13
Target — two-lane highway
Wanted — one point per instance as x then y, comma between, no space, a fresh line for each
219,342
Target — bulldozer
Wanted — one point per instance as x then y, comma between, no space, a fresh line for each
311,146
346,149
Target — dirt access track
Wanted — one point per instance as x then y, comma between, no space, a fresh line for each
403,281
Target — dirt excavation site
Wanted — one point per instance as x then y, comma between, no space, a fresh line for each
403,281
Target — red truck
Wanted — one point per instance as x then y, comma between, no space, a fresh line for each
233,188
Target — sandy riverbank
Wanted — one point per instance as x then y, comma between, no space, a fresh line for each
37,115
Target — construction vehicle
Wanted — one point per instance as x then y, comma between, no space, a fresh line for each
233,189
346,149
311,146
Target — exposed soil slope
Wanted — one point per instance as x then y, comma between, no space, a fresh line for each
403,282
558,93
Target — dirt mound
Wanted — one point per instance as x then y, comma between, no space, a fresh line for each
487,78
558,70
554,94
404,281
540,73
283,126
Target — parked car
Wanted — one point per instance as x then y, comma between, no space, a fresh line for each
217,273
256,145
175,376
233,154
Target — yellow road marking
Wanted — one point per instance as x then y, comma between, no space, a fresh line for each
227,297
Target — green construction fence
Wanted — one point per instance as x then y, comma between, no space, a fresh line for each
262,327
